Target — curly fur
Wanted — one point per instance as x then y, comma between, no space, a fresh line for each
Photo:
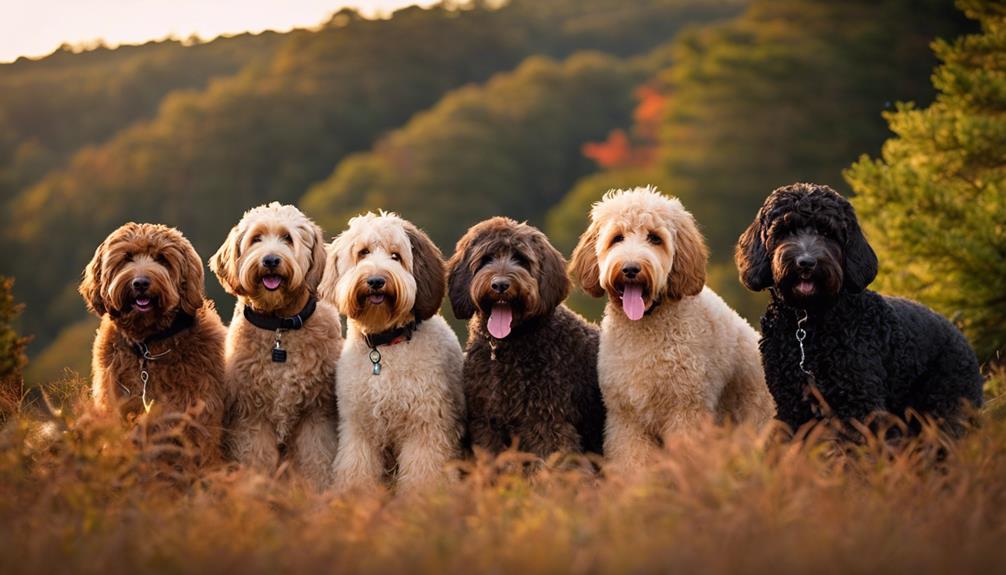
541,389
188,378
869,354
690,358
279,411
409,418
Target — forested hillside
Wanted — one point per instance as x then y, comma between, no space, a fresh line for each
793,90
52,107
530,109
512,146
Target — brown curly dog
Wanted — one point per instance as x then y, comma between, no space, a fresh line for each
160,347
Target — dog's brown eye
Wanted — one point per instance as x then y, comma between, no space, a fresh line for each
654,239
288,239
256,239
617,239
396,256
128,257
363,253
161,259
486,260
521,259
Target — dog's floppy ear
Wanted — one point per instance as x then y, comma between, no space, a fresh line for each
459,279
688,272
224,263
90,286
428,269
553,284
583,265
860,259
318,260
753,260
330,279
191,285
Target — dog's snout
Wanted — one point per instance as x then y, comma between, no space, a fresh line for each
631,270
500,284
271,261
375,282
806,262
141,284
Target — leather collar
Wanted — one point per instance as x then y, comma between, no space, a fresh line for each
182,322
274,322
392,336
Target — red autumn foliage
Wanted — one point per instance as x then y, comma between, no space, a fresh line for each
618,150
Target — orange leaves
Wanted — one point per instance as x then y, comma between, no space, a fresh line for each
621,151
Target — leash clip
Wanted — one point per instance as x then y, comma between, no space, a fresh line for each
801,335
145,356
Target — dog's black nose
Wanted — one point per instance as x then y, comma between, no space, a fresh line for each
500,284
141,284
630,270
375,282
806,262
271,261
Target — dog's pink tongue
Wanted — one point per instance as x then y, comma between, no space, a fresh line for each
271,282
632,302
499,320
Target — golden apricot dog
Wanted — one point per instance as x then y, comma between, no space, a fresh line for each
672,353
282,344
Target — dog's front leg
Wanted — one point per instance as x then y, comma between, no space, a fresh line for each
314,447
627,446
423,458
252,442
358,463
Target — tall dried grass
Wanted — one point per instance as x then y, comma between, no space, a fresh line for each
81,495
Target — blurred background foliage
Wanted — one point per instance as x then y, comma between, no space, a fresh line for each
529,108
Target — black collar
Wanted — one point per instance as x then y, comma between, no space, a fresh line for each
182,322
392,336
273,322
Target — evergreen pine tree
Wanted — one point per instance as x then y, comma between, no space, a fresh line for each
934,204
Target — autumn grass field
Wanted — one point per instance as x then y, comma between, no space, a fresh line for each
81,495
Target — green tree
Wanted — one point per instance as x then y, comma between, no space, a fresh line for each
12,346
934,203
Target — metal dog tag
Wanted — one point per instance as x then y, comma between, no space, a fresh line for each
279,355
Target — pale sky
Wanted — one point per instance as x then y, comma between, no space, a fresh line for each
37,27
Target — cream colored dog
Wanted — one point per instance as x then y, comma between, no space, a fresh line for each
282,344
401,403
672,353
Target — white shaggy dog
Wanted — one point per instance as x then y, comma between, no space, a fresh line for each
672,354
282,344
401,403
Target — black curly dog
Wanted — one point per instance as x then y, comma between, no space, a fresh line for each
864,353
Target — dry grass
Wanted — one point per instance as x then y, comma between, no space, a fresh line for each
79,496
